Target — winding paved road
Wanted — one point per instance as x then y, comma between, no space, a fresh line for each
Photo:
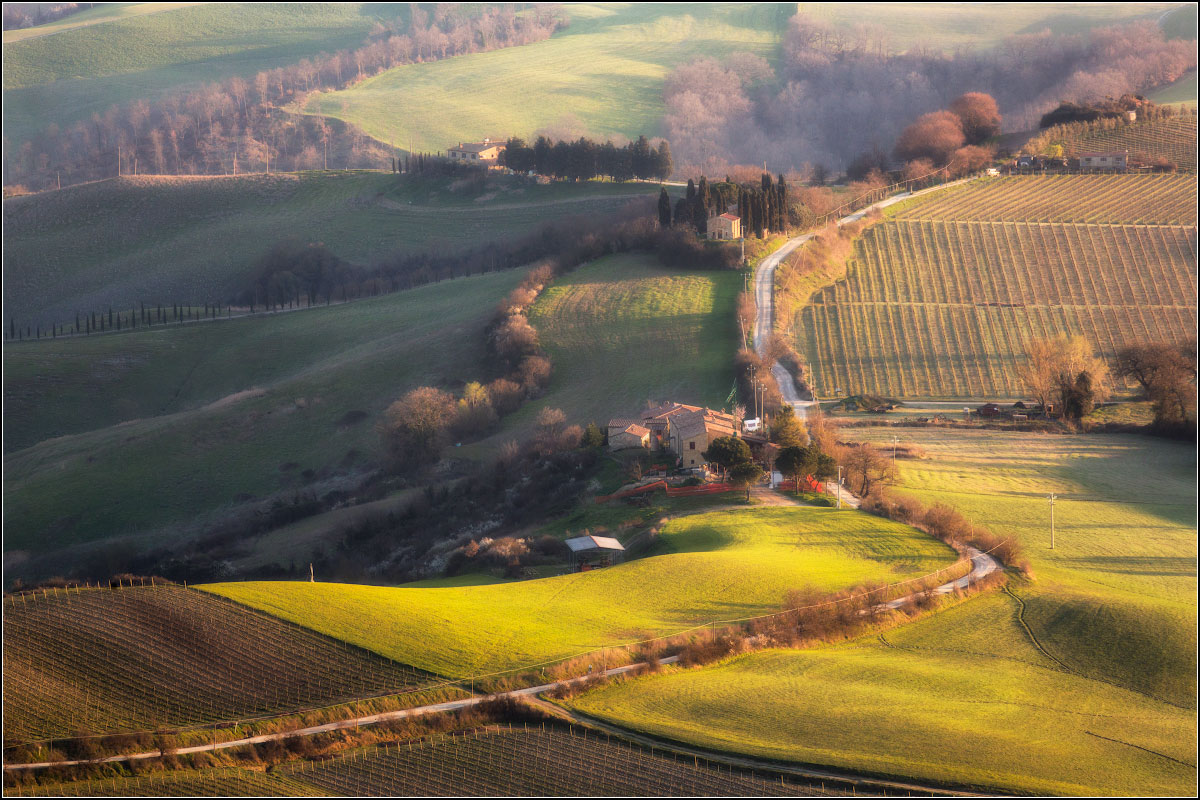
982,565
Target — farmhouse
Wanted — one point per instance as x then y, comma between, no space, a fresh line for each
486,152
725,226
1113,161
684,431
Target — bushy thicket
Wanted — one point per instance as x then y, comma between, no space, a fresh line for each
826,103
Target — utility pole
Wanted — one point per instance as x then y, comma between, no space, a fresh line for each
895,443
839,485
311,579
1052,498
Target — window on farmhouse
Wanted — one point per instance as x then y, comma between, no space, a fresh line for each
691,445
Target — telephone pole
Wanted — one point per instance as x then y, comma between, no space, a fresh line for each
839,485
1052,498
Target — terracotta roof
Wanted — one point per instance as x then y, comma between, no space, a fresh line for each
622,422
636,430
732,217
477,147
1113,154
666,410
696,422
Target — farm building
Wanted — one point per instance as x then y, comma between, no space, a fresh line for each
683,430
486,152
1112,161
632,435
589,552
725,226
989,410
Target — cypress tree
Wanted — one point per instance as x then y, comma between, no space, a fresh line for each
12,327
664,209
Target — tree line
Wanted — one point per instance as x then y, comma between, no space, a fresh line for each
763,208
27,15
585,159
239,126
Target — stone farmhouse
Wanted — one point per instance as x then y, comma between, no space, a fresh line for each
486,152
725,226
682,430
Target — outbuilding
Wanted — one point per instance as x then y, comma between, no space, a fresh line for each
592,552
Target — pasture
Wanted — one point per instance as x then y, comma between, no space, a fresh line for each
146,52
1080,681
624,330
92,661
603,75
195,240
161,430
946,26
713,566
940,299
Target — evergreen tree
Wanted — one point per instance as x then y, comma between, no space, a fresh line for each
663,163
701,206
664,209
643,163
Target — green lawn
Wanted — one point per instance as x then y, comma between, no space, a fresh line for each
142,51
603,75
1080,681
157,428
623,330
717,565
1181,92
196,240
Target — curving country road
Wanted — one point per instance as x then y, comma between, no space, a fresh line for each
982,565
764,295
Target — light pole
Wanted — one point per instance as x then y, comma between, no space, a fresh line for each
1052,498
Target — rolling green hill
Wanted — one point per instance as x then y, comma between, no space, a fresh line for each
624,330
604,74
719,565
143,52
196,240
1080,681
161,429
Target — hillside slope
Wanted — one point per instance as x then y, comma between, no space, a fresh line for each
160,430
164,240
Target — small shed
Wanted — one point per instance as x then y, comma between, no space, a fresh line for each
1116,161
590,552
989,410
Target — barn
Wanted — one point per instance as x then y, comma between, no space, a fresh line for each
593,552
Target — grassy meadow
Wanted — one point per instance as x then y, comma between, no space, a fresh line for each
945,26
139,432
602,75
624,330
195,240
716,565
111,55
1079,681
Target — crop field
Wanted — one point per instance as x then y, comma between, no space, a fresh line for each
624,330
531,762
1089,199
1180,93
1080,681
602,75
496,761
97,661
144,52
1172,138
940,300
717,565
170,425
197,240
